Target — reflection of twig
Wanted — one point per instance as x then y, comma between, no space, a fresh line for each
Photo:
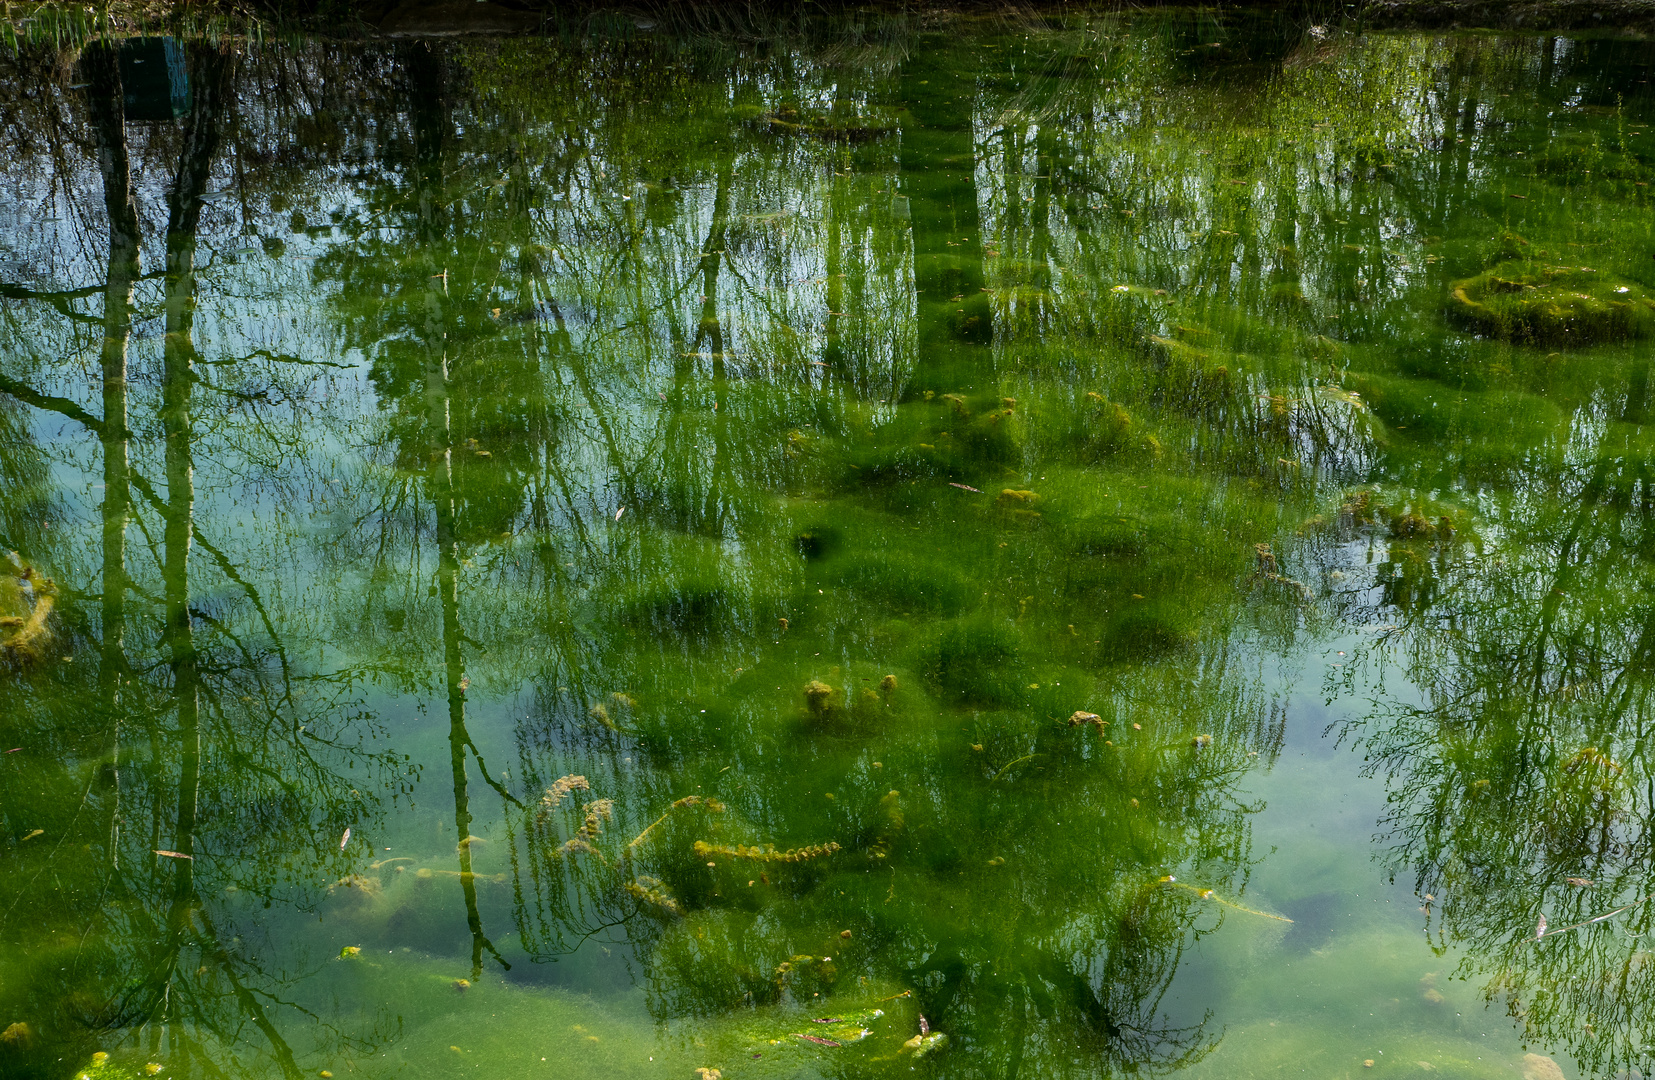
1594,919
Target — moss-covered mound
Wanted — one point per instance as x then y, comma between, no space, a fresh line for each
831,127
1547,304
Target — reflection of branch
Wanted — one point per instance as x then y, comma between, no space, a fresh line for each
59,300
489,780
228,569
49,403
283,358
249,1004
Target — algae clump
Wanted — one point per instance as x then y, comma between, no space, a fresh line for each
26,601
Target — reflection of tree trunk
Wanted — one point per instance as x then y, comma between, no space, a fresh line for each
108,115
202,134
1285,291
711,331
833,347
440,481
1450,105
431,123
209,75
940,180
441,486
1636,409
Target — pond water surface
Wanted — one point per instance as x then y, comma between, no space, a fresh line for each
971,548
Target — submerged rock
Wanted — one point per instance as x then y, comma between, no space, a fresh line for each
1536,1067
835,127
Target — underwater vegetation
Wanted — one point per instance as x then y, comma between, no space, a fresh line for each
901,543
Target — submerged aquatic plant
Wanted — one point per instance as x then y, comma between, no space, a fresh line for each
652,892
560,789
767,854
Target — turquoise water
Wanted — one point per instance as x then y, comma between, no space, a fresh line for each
976,547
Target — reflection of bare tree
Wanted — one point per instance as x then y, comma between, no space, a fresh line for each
939,158
1519,784
181,683
431,131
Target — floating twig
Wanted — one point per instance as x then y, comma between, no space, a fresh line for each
1009,764
1542,932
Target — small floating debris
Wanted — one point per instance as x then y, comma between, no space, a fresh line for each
921,1045
1079,717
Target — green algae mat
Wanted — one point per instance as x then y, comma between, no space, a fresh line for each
971,547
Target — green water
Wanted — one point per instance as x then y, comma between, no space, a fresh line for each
641,552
